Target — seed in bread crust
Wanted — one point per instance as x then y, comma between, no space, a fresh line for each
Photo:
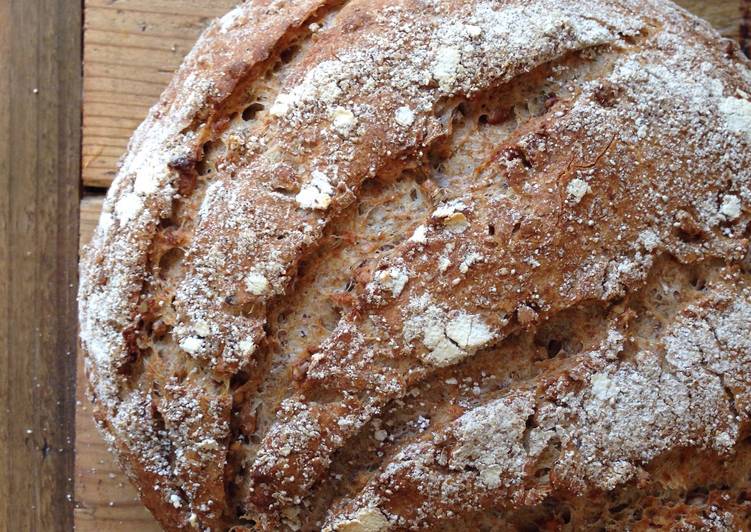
317,193
256,283
405,116
731,207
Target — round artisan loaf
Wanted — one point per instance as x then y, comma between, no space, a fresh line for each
463,265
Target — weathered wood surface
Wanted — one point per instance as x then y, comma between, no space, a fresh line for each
40,135
131,50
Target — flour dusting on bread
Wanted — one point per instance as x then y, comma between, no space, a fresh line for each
419,263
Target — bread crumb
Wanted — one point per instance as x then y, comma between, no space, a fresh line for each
281,105
649,239
577,189
174,499
730,208
105,221
447,209
209,444
737,113
443,352
228,21
491,476
366,520
420,235
148,179
128,207
446,66
405,116
469,260
394,280
247,346
469,331
316,194
256,283
456,222
602,387
191,344
525,314
473,31
453,219
202,328
343,121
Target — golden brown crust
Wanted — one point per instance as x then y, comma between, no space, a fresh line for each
590,426
519,176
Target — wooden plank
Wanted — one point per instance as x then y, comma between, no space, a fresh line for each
40,98
105,500
131,48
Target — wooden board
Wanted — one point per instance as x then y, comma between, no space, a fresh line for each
131,49
40,134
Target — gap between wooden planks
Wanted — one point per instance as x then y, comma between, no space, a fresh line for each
131,48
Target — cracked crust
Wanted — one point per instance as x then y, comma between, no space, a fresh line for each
339,207
588,426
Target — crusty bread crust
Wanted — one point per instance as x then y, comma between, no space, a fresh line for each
339,207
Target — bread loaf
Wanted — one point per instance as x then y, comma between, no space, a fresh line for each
456,265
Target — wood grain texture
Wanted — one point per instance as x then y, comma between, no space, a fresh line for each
131,50
40,98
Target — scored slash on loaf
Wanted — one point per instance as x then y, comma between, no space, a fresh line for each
377,265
